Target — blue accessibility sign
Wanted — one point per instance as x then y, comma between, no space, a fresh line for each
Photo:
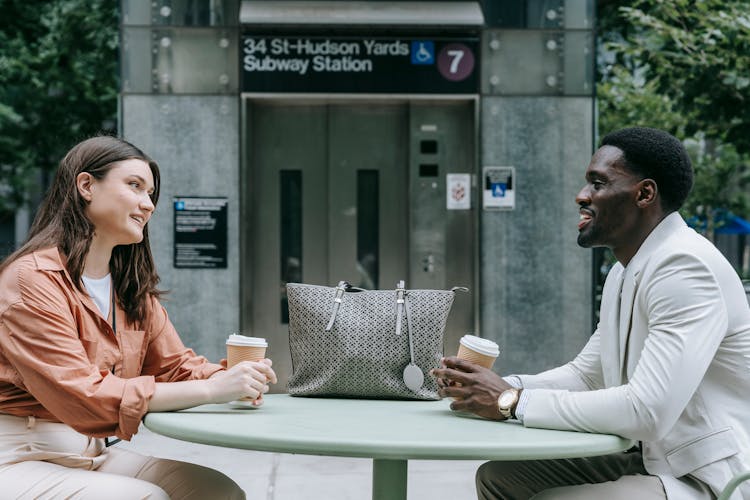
498,189
422,52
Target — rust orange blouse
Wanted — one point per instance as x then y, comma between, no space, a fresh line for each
61,360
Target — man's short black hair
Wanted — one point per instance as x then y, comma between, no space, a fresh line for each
656,155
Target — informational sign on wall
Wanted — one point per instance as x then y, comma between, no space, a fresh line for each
458,191
498,190
441,65
200,232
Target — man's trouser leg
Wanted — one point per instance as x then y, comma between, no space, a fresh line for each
614,477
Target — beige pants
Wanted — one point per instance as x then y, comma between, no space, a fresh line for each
49,460
619,476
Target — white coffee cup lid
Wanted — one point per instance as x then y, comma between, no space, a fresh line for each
480,345
236,339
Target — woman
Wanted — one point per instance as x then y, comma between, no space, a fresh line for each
86,349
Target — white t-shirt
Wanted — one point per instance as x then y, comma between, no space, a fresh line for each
101,291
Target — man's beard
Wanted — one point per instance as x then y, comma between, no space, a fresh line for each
587,239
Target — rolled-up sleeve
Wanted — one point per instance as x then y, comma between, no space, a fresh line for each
134,404
39,336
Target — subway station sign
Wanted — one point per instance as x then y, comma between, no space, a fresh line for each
359,64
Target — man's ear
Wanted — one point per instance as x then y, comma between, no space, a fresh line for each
648,193
85,184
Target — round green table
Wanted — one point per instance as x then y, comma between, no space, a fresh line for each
389,432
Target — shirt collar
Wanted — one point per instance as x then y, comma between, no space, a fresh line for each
49,259
671,224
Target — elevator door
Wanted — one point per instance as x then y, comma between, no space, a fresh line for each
331,185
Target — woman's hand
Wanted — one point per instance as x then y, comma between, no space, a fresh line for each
248,379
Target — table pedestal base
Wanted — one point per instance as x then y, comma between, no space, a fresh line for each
389,479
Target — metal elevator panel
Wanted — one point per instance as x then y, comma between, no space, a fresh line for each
443,242
367,138
352,190
284,140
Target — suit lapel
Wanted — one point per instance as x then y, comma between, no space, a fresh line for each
610,343
617,311
629,287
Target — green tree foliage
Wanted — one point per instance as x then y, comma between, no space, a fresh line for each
684,66
58,84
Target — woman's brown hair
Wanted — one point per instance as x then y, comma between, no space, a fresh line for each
61,222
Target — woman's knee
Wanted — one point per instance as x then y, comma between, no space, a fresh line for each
116,489
220,486
188,480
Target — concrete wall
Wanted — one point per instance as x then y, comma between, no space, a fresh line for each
536,281
195,141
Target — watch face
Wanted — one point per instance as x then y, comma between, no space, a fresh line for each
506,398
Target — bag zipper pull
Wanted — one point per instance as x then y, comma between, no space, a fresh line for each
400,292
340,289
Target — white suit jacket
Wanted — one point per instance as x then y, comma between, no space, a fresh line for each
669,364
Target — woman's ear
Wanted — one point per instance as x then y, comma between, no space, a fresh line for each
647,193
85,184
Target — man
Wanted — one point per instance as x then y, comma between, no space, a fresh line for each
668,365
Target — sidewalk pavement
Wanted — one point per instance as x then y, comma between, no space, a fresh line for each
282,476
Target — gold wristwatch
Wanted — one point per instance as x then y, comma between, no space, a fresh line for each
507,401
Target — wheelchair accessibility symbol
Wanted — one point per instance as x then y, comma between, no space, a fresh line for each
498,189
422,52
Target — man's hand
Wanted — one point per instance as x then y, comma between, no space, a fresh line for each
474,387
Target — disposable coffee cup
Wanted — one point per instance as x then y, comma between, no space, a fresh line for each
241,348
481,351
